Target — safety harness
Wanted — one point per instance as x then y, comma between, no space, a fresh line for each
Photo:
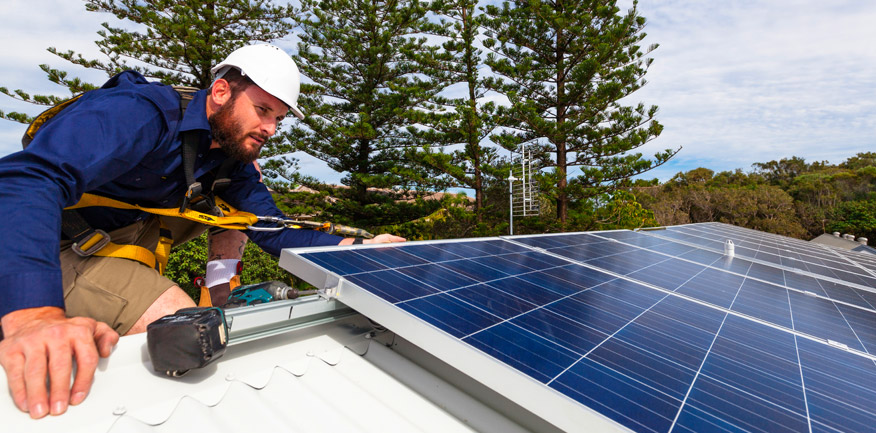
199,204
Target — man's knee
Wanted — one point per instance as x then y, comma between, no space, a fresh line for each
169,302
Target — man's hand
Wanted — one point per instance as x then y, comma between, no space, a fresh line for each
384,239
379,239
42,343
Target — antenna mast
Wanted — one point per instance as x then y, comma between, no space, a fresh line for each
522,192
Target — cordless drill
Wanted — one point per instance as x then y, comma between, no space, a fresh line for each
195,337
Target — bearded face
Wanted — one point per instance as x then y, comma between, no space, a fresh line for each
229,132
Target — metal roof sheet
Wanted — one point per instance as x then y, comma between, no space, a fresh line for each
324,378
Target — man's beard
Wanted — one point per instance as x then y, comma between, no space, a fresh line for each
228,132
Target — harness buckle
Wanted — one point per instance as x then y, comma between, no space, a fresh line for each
93,248
280,224
194,190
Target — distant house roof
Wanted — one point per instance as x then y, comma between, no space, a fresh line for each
843,243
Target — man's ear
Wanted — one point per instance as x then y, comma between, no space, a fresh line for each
220,92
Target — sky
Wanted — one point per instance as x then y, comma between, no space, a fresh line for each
736,81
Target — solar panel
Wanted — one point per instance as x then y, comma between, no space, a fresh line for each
652,332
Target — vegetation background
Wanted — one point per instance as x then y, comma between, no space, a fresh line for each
409,97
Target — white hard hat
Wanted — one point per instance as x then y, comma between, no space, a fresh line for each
269,68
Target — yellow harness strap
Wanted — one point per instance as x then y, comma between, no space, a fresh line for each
232,219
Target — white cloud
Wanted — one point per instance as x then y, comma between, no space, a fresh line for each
737,81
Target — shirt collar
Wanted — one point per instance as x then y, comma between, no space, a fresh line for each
195,116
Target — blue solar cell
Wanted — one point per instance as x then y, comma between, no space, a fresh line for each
567,280
764,301
696,315
713,400
868,281
491,248
702,257
870,297
541,241
432,253
863,323
672,248
493,300
555,241
618,397
760,365
769,250
744,251
733,264
621,235
794,263
437,276
767,257
651,367
630,293
344,262
637,239
839,387
767,273
450,314
526,290
506,264
391,285
475,271
594,250
628,262
843,293
803,283
669,274
596,310
694,420
821,318
392,257
539,358
715,287
472,249
576,336
681,342
536,260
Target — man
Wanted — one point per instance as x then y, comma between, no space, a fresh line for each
123,141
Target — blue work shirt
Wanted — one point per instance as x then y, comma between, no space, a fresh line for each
121,141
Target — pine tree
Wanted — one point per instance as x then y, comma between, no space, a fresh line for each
565,74
457,123
367,71
181,41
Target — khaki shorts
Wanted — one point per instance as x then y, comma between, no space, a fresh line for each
118,291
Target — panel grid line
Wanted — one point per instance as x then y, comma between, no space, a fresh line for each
802,380
703,362
800,363
786,286
725,310
784,268
759,242
667,294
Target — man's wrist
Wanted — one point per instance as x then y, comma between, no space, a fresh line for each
13,321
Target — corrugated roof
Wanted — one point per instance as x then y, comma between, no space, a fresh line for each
837,242
330,377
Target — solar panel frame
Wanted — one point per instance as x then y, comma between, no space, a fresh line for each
555,408
558,278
